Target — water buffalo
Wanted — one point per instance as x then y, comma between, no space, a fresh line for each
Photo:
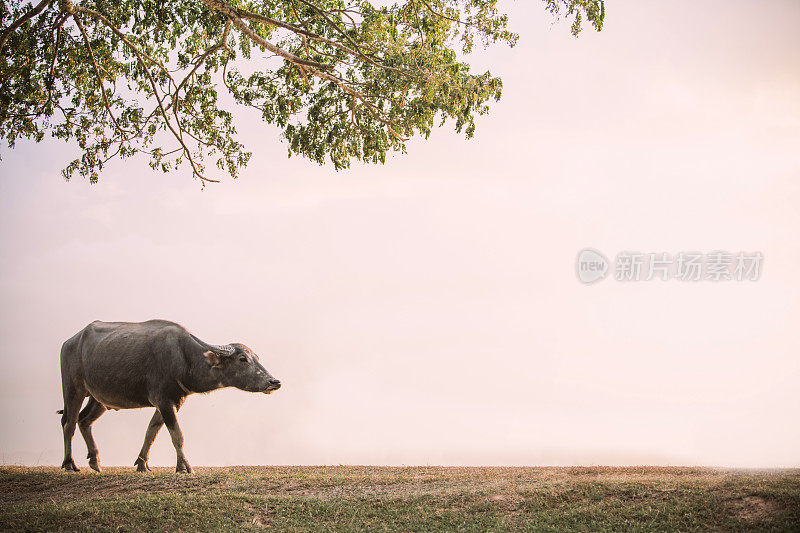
126,365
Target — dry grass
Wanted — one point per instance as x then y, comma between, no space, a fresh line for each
356,498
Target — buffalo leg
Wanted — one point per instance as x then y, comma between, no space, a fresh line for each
152,430
73,399
90,413
171,421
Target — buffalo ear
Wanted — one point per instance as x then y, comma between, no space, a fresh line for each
213,359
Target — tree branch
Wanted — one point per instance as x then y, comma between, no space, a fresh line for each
140,55
97,73
357,51
310,66
233,15
222,44
22,20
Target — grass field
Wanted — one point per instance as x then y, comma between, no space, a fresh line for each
353,498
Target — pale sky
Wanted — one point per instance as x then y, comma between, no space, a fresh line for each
427,311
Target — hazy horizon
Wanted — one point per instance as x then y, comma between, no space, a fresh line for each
427,311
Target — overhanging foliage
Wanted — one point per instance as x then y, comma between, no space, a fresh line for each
344,80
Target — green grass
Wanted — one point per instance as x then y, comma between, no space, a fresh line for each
425,499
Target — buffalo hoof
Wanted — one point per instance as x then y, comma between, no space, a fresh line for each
142,466
69,466
94,465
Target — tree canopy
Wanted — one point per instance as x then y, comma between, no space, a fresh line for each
344,79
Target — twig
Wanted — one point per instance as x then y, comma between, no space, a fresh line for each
20,21
97,73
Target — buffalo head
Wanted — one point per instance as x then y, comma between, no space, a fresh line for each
236,365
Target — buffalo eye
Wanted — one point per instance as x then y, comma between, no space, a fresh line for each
243,359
